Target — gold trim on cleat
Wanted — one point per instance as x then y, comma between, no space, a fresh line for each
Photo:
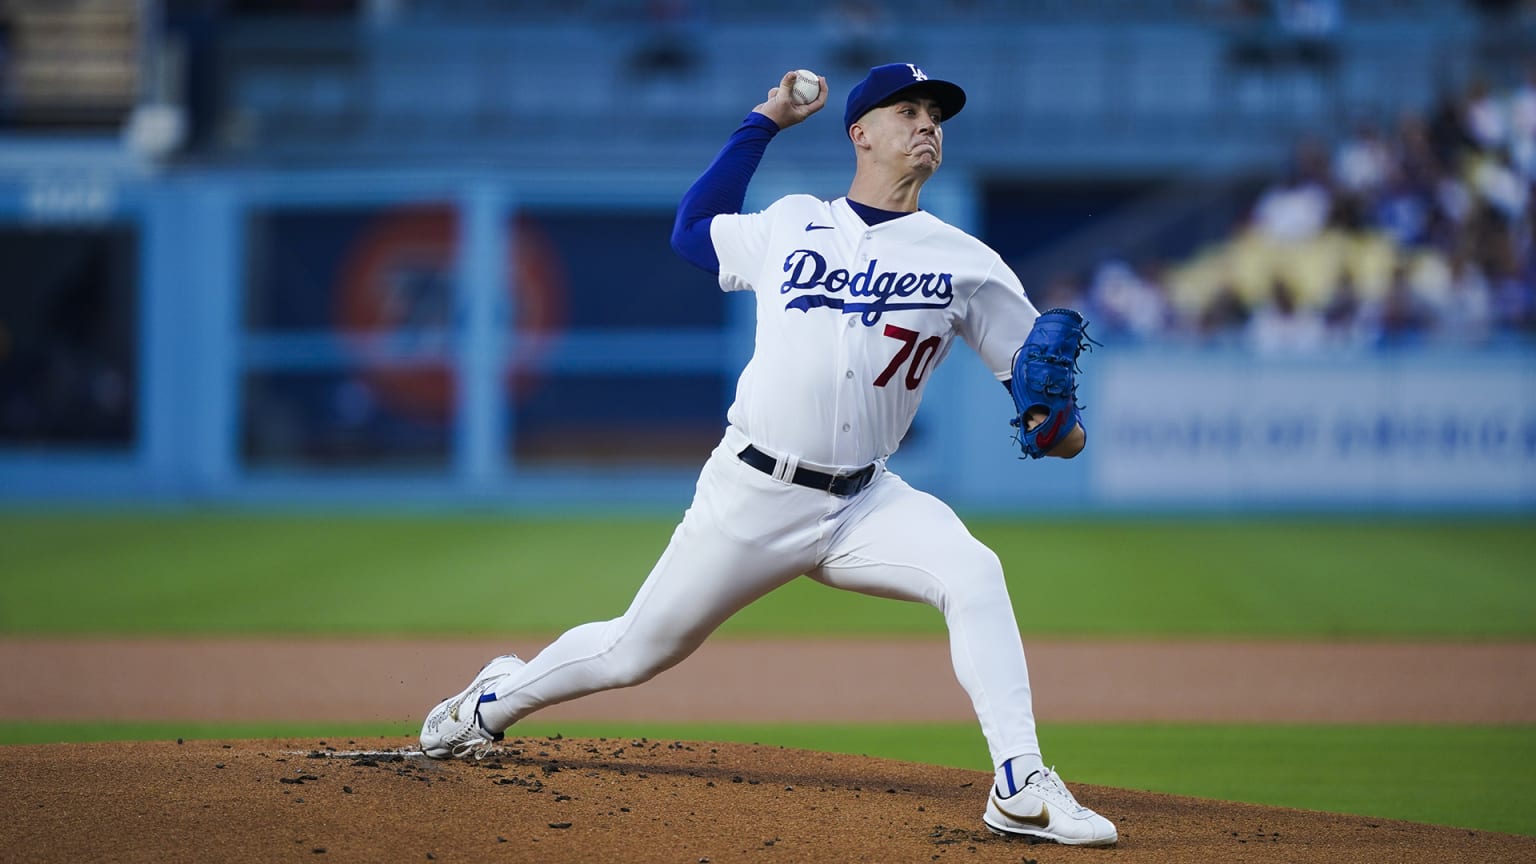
1041,820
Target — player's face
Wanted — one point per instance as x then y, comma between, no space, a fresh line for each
908,132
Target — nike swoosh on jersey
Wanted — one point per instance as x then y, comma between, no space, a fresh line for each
1039,820
812,226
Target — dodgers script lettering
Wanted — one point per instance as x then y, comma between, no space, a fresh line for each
808,272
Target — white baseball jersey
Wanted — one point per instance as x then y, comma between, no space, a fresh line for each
853,318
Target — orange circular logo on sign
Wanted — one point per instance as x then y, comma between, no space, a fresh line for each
399,310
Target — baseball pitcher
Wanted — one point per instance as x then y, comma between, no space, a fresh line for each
858,300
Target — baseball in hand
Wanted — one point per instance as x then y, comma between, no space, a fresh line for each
807,87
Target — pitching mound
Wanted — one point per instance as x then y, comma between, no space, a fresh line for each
615,800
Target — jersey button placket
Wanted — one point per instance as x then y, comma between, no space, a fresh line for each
847,393
848,398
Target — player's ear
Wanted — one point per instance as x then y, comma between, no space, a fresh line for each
859,137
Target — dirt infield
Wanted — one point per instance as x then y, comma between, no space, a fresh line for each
613,800
642,801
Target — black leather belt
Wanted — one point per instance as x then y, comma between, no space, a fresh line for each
841,485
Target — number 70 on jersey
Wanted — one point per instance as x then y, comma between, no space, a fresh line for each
917,356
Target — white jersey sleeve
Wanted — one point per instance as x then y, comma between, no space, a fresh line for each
742,240
998,318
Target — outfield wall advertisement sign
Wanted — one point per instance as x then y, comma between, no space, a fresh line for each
1412,430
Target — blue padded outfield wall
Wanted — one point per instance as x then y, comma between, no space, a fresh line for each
324,338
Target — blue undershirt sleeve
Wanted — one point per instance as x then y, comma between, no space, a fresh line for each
722,188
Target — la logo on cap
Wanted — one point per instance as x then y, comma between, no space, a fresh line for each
884,82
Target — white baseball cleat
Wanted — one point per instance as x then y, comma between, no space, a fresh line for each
1044,808
453,729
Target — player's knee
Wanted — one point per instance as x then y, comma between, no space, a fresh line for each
982,565
635,661
977,578
629,671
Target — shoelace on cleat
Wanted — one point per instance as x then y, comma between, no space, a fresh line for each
1049,782
470,740
478,746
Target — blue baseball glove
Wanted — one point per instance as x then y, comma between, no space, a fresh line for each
1045,380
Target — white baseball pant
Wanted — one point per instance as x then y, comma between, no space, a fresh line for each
746,534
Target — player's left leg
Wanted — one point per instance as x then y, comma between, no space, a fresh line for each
896,541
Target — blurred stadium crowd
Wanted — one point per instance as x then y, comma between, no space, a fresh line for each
1381,235
1381,232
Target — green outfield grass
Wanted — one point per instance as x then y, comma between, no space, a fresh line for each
1470,777
218,573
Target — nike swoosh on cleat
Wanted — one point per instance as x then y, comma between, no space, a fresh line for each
812,226
1040,820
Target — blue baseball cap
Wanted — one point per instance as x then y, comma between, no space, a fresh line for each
884,82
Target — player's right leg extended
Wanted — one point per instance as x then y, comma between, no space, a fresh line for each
744,535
